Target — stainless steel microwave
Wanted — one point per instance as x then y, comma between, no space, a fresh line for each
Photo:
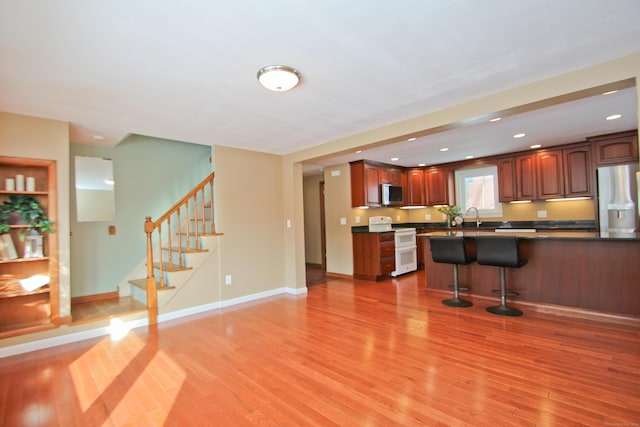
392,195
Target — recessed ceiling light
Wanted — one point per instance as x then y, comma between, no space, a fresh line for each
495,119
519,135
359,151
394,159
469,157
536,146
98,137
109,181
614,117
611,92
422,164
444,149
412,139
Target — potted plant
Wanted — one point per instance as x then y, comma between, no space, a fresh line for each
449,211
29,210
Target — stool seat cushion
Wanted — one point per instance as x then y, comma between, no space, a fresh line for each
499,251
449,250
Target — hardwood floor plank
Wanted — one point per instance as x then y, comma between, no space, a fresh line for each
348,353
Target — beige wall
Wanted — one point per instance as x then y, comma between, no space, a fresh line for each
312,219
249,212
32,137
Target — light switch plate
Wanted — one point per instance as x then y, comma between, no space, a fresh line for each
343,221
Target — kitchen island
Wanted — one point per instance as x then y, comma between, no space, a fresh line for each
584,273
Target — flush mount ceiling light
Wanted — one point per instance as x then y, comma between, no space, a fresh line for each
278,78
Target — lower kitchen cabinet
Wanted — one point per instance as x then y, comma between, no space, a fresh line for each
373,255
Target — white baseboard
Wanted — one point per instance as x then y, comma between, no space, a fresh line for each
136,323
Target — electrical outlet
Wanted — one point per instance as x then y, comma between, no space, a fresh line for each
357,220
343,221
398,218
227,279
542,214
427,217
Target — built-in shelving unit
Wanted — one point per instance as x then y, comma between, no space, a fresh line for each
28,310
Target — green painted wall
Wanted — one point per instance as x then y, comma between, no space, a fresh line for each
151,175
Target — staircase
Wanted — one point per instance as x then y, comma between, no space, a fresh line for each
177,243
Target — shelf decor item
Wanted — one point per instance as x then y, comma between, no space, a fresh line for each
31,183
29,210
19,182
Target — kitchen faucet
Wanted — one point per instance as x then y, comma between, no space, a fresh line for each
478,220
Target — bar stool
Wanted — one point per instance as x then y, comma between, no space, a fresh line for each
502,252
451,250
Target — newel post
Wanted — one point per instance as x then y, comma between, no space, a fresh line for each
152,299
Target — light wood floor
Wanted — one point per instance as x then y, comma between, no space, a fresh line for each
100,309
350,353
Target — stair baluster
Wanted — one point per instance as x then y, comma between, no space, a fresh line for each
203,225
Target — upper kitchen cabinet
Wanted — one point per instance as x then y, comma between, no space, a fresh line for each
438,186
365,185
525,167
415,194
578,171
507,179
546,174
615,148
391,175
550,174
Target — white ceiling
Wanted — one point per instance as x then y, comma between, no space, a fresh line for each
187,70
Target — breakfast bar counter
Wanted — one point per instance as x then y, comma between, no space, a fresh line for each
575,271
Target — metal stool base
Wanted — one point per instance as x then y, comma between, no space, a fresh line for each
504,310
457,302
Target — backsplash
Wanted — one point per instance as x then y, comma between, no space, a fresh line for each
570,210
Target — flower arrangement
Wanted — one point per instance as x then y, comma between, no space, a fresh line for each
448,210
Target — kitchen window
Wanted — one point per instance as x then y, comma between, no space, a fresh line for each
478,187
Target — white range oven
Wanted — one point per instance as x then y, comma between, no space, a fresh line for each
406,251
405,244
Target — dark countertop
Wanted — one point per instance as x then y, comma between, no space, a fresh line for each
541,234
470,225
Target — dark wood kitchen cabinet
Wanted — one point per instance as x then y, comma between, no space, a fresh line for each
507,179
437,186
579,177
365,185
366,177
414,195
391,175
550,174
525,167
546,174
373,255
615,148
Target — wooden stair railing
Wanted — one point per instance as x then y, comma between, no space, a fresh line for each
192,209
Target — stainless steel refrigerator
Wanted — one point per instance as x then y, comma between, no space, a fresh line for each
618,198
